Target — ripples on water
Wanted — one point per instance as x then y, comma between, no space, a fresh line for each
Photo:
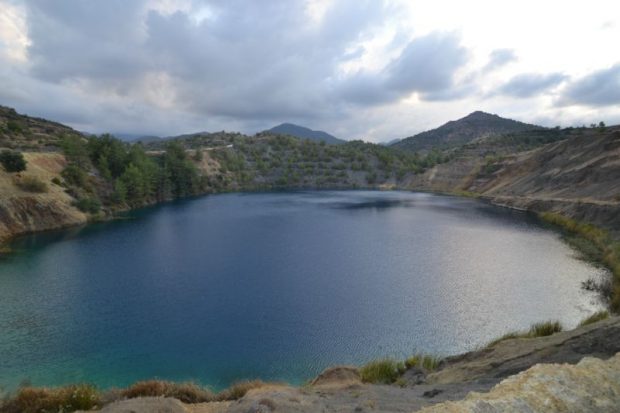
277,286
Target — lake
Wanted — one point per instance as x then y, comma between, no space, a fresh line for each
277,286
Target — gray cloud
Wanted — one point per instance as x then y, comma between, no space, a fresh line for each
253,60
499,58
427,65
246,63
123,65
599,88
85,39
530,84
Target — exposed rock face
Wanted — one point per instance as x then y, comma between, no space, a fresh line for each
592,385
338,375
578,177
146,404
515,355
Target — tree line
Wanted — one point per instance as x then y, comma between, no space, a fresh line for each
104,169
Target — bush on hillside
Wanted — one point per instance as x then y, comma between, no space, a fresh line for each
12,161
90,205
31,184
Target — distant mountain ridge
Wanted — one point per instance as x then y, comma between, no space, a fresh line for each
474,126
305,133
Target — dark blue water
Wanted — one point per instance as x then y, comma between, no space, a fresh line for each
277,286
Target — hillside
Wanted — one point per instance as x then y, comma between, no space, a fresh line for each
577,173
80,177
28,133
459,132
304,133
232,161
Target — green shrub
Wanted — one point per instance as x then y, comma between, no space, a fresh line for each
12,161
14,126
64,399
384,371
74,175
90,205
31,184
545,328
598,316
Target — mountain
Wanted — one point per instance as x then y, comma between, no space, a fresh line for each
135,137
391,142
305,133
474,126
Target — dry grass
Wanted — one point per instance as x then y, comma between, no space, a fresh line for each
64,399
185,392
86,397
239,389
31,184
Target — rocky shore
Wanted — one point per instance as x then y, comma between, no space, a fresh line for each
572,371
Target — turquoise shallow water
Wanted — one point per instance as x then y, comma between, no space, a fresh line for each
277,286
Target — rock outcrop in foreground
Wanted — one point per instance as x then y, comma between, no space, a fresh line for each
573,371
592,385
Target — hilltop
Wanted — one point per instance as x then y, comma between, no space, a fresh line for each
30,133
304,133
459,132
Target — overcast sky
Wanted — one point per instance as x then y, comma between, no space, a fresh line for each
376,70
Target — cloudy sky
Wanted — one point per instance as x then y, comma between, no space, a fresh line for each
370,69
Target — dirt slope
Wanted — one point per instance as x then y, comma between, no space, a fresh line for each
22,211
579,177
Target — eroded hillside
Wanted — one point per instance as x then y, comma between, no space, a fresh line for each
578,175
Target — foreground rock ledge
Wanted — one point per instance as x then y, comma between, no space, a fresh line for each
593,385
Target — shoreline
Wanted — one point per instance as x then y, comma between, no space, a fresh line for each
415,385
155,205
